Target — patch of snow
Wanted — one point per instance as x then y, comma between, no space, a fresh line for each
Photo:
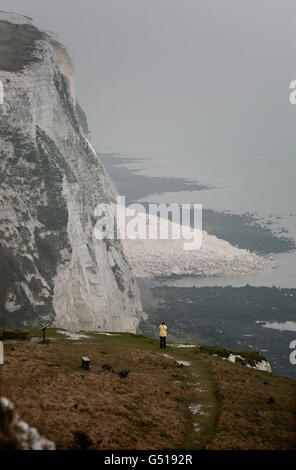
182,345
184,363
196,427
107,334
195,408
74,336
196,387
199,389
233,357
166,355
262,365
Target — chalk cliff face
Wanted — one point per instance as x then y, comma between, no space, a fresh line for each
52,267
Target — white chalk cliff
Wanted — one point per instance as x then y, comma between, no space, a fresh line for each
52,268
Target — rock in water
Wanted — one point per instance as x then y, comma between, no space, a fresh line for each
52,267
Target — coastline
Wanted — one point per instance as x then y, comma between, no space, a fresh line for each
189,322
244,230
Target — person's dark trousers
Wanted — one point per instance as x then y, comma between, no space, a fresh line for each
162,341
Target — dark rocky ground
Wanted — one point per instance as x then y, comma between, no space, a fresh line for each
226,317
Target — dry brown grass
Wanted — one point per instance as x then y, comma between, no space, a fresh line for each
143,411
241,408
257,409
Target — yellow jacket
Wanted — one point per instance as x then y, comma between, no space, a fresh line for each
162,330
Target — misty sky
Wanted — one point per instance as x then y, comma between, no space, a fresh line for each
202,85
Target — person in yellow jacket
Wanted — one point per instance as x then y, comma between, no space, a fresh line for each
162,334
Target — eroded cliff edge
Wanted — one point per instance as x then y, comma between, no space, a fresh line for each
52,267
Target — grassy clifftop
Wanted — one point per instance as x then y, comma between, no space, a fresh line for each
135,397
16,45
